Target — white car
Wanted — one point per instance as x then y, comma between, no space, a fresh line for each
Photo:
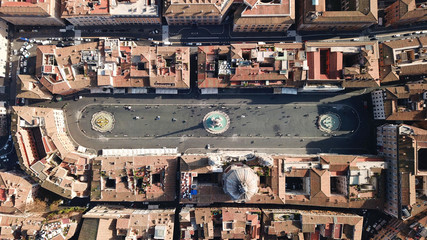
198,44
396,35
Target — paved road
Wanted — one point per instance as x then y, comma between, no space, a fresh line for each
265,122
213,34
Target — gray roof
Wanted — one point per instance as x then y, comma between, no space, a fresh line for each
240,183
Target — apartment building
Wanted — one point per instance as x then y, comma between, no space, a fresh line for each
111,12
17,191
220,223
329,15
162,67
30,88
264,16
63,70
111,64
403,147
203,12
332,180
46,152
342,65
299,224
119,222
402,103
406,57
135,178
403,12
38,12
278,65
35,225
270,224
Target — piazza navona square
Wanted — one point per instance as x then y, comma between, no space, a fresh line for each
223,120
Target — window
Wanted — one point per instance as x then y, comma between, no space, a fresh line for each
227,225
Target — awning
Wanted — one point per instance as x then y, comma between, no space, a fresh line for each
166,91
209,91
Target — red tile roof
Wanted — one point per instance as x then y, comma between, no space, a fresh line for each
2,195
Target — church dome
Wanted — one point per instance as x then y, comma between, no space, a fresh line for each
240,183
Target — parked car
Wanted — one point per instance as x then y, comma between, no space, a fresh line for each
20,101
